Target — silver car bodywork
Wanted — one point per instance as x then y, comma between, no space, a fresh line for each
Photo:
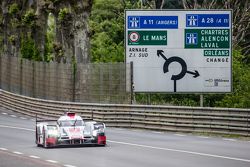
69,129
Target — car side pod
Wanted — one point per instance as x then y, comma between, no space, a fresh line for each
101,140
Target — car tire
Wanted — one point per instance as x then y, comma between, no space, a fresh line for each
44,140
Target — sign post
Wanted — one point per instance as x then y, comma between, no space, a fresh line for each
180,51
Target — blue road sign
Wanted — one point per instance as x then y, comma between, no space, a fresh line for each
207,20
152,22
134,22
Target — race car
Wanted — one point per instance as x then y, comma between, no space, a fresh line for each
69,129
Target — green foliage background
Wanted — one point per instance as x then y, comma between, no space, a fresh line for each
29,49
107,42
107,30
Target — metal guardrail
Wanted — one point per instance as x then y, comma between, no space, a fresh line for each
162,118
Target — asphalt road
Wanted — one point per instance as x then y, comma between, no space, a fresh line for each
125,148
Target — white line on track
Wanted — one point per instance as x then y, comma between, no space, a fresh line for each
226,139
4,113
16,152
23,118
4,149
33,156
203,137
181,135
157,132
14,116
14,127
52,161
69,165
182,151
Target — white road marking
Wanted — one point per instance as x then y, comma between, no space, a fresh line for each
135,130
157,132
4,113
13,116
179,135
69,165
16,152
23,118
229,139
52,161
182,151
14,127
203,137
4,149
33,156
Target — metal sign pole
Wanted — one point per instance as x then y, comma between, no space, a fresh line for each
132,95
201,100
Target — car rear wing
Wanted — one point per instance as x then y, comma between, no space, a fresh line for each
88,120
44,120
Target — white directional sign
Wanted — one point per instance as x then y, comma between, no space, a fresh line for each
179,50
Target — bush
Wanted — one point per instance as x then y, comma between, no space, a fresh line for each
240,97
29,49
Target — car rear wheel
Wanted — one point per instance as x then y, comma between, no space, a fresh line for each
37,140
44,140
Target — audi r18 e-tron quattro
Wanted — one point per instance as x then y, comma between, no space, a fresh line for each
69,129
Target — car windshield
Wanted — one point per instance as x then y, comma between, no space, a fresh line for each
71,123
98,126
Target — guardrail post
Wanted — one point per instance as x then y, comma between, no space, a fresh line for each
92,114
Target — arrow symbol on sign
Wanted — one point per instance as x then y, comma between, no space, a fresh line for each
195,73
160,53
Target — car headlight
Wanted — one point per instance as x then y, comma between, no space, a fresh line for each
95,133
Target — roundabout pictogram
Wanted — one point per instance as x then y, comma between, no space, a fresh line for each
183,64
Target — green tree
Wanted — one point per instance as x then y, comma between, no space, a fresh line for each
50,39
240,98
107,31
29,49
